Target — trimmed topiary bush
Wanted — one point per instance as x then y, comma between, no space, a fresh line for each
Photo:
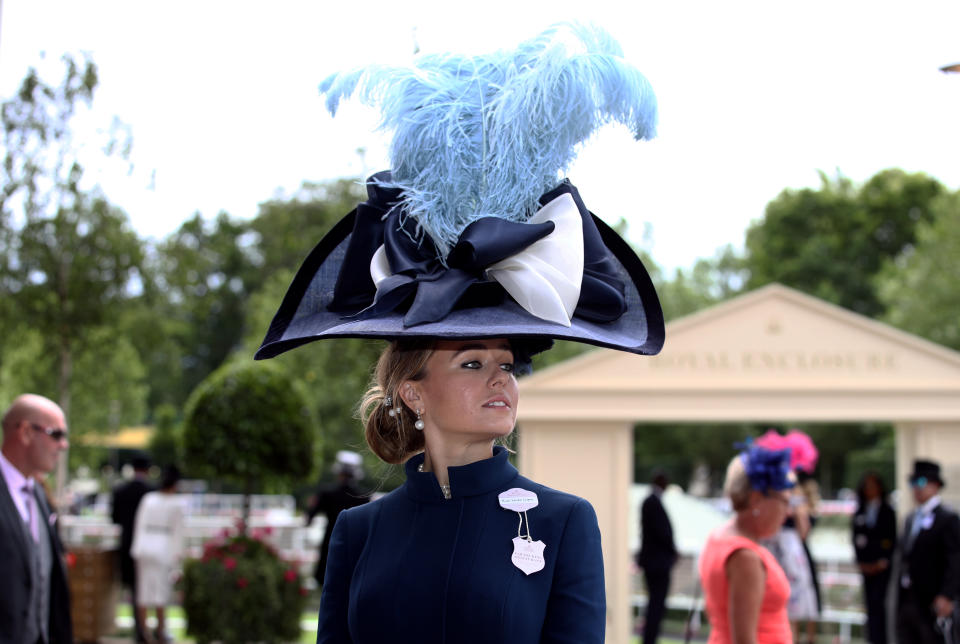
250,423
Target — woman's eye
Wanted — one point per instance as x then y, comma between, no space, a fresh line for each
473,364
507,366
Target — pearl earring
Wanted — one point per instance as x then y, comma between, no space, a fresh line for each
419,423
388,403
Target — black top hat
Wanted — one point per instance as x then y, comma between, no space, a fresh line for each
926,471
472,234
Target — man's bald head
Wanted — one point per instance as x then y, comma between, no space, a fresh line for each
25,407
31,441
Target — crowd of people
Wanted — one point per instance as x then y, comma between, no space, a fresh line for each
760,580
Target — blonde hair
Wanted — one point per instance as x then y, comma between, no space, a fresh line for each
736,485
393,438
811,491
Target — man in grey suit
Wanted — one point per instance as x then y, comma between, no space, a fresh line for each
35,602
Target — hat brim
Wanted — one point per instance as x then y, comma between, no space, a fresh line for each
304,315
930,479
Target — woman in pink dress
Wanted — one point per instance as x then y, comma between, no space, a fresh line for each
746,590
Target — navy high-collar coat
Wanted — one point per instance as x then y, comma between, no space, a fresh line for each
415,567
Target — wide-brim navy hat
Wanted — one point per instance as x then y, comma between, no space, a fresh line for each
472,234
333,294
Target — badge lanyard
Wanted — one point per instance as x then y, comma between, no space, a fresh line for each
527,553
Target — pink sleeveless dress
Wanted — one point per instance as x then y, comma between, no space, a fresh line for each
773,627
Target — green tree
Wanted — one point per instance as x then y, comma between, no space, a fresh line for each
919,287
334,374
68,259
287,230
249,423
194,304
166,446
832,242
709,282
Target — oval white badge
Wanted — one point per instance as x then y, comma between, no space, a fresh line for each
518,499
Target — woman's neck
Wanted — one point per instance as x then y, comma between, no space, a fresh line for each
743,526
441,455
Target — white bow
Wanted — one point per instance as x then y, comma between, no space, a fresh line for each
544,278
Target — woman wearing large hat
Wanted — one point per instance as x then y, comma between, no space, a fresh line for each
470,256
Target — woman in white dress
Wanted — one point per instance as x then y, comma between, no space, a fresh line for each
158,545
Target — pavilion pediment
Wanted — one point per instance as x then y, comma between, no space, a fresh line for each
772,338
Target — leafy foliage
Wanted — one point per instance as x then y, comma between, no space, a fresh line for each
832,242
69,261
166,446
919,288
203,275
249,422
241,591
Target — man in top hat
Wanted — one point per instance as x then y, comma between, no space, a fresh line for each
35,601
930,561
126,500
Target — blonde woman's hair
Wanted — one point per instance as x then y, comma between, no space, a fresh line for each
393,438
811,490
736,485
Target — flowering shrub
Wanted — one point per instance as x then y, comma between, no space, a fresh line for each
241,591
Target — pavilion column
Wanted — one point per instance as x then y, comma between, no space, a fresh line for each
906,452
592,459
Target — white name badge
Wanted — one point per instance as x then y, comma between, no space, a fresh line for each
518,499
528,555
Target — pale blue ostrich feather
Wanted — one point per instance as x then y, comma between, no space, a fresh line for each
476,136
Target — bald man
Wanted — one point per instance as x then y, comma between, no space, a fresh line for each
35,601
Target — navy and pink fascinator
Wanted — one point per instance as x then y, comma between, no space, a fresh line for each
767,469
474,233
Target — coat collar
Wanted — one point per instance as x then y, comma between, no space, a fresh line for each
10,513
478,478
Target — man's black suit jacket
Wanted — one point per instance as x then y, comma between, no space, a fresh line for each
16,571
932,560
126,500
657,549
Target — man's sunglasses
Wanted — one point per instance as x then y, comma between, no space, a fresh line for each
55,433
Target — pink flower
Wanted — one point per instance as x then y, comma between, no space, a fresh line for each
242,582
229,563
290,575
303,591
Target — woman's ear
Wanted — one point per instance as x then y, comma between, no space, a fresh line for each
410,394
